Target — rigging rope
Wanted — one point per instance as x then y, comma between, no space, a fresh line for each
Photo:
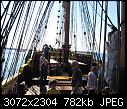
6,61
86,19
16,53
12,43
5,14
118,48
25,33
62,26
91,28
94,27
33,29
36,21
58,25
4,70
13,69
74,26
39,30
11,20
6,9
2,4
95,42
105,30
101,27
93,12
39,27
45,23
83,29
71,25
107,15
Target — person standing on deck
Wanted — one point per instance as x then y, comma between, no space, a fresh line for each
50,49
112,50
76,79
43,65
43,68
92,80
41,61
46,51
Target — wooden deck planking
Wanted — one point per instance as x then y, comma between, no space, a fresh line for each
33,90
63,84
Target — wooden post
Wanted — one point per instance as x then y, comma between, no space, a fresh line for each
122,52
66,6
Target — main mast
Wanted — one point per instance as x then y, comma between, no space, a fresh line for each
122,52
65,53
122,55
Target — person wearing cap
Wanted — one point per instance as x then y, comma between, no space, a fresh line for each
52,87
76,79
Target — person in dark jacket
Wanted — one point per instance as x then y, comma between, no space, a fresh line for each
43,73
46,51
43,68
76,79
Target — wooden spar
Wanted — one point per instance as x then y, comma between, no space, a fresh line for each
122,82
66,6
122,52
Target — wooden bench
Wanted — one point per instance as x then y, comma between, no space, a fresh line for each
66,89
59,77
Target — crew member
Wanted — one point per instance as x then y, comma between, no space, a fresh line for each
76,78
92,81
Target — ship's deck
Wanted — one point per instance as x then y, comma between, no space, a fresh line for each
63,84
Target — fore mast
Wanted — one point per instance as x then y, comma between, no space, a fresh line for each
66,47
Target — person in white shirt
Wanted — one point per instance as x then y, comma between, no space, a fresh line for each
112,50
92,81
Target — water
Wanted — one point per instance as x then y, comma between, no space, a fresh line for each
8,67
96,53
19,63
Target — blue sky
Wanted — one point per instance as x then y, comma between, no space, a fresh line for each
50,35
112,13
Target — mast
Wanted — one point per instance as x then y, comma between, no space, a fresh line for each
65,53
122,55
122,51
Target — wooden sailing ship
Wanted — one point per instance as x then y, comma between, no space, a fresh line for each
29,72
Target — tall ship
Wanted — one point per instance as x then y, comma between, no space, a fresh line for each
25,26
